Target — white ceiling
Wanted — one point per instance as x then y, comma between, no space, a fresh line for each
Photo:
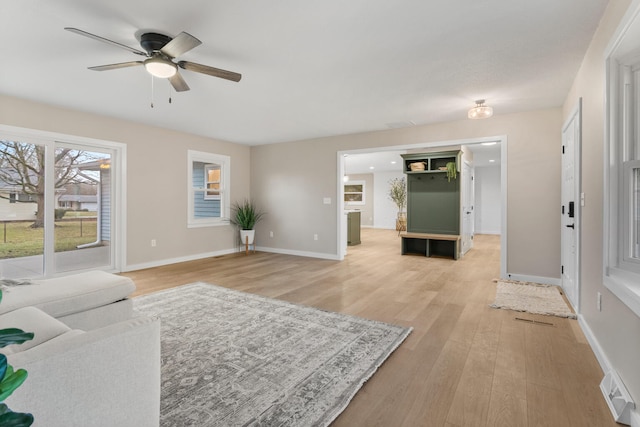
310,69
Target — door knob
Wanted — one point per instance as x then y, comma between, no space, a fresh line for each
571,226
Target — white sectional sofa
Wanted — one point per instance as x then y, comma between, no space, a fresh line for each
91,363
85,300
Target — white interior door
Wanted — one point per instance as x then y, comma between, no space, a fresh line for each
570,212
467,213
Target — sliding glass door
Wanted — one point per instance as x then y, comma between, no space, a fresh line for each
56,201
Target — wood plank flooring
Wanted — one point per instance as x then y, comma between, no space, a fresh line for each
464,364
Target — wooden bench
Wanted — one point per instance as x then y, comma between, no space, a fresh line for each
429,244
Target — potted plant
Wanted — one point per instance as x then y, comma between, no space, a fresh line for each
245,215
451,171
398,194
11,379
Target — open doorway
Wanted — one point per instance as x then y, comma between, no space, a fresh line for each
376,167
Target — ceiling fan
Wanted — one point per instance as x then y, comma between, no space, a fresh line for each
160,52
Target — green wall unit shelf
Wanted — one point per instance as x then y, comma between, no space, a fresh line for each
433,204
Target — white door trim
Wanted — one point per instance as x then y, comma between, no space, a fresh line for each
502,139
467,219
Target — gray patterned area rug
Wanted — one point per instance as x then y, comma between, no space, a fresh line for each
235,359
531,298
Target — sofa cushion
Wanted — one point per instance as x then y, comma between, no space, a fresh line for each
31,319
66,295
52,343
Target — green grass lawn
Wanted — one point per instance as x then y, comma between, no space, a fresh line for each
21,240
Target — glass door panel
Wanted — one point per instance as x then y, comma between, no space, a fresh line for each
83,189
22,208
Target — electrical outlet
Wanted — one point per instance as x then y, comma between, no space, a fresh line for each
599,302
315,237
271,234
153,243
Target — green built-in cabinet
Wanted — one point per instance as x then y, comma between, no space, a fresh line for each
433,200
353,228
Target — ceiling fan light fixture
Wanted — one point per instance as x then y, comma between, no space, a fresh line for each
160,67
480,111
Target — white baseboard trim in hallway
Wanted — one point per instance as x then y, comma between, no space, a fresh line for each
604,362
535,279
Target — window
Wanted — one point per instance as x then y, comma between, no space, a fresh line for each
208,183
212,175
635,210
622,167
354,192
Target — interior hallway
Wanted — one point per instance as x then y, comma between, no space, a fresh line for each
464,364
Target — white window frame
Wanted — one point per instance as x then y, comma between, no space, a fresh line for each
630,215
621,271
225,185
207,168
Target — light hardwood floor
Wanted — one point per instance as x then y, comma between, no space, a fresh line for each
464,364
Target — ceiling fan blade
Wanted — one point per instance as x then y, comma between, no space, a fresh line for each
182,43
102,39
211,71
178,83
116,66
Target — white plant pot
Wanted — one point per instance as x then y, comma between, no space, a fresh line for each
244,234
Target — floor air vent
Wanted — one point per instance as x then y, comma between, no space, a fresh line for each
535,322
617,397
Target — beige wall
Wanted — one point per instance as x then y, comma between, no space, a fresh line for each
291,179
615,328
156,177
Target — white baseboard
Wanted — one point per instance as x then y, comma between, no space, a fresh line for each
605,365
535,279
169,261
299,253
604,362
492,232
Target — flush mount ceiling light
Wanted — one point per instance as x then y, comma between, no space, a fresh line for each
160,67
480,111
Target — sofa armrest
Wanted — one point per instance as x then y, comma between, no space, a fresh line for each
104,377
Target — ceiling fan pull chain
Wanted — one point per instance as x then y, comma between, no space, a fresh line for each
169,94
151,91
